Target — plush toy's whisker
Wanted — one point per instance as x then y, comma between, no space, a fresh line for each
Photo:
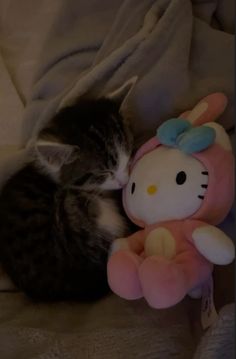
200,196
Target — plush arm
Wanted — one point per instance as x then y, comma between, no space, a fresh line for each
210,241
214,244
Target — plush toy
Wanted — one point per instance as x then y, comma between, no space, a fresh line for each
181,186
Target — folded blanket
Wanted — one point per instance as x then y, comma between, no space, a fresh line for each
171,45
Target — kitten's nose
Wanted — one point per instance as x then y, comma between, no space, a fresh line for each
123,180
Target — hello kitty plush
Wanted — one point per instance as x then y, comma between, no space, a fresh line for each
181,186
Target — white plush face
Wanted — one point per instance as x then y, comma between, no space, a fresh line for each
165,184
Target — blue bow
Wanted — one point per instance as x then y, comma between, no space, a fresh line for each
179,133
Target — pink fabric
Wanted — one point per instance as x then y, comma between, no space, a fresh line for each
217,103
217,161
147,147
220,194
160,281
164,282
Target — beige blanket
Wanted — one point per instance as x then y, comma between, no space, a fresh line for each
54,50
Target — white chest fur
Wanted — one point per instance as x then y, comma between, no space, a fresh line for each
109,218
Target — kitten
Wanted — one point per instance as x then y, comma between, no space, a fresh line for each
58,213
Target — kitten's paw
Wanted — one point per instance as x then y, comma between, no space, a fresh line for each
160,242
119,244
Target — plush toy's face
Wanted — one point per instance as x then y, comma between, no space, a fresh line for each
165,184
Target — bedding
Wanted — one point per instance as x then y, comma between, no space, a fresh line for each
51,53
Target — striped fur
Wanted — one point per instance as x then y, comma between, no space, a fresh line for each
55,233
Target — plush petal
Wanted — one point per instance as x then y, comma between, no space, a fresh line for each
160,242
164,284
122,271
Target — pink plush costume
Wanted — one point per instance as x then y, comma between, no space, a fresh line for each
174,254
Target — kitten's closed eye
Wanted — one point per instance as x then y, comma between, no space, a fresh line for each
105,180
115,180
82,180
104,141
108,179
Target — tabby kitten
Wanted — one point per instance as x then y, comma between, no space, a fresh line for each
58,213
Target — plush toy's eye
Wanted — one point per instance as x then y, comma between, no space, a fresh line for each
181,177
133,188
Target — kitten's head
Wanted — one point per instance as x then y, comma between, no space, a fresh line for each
87,144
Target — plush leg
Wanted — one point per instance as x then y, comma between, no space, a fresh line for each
165,282
123,276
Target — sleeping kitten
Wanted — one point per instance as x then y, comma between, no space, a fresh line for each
58,214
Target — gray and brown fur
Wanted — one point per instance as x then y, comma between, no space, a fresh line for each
59,214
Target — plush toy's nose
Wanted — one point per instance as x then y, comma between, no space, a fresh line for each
152,189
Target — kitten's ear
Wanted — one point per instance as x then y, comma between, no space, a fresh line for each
54,155
121,94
